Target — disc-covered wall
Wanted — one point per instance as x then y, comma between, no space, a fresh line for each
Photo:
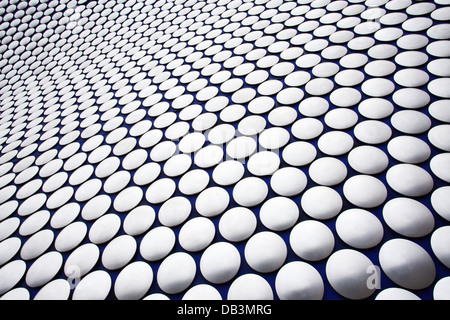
224,149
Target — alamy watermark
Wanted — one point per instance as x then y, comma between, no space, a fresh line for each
373,281
73,273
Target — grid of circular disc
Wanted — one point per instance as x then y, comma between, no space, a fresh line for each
220,149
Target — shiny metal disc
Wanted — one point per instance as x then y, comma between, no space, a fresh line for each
220,262
206,133
346,270
411,122
419,183
196,234
409,149
133,281
82,260
439,202
119,252
237,224
321,202
440,291
176,273
396,294
94,286
44,269
279,213
71,236
408,217
397,252
288,181
437,239
11,274
139,220
359,228
157,244
212,202
365,191
104,228
291,279
327,171
250,191
202,292
265,252
250,287
312,240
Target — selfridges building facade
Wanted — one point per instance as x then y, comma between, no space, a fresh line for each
224,149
